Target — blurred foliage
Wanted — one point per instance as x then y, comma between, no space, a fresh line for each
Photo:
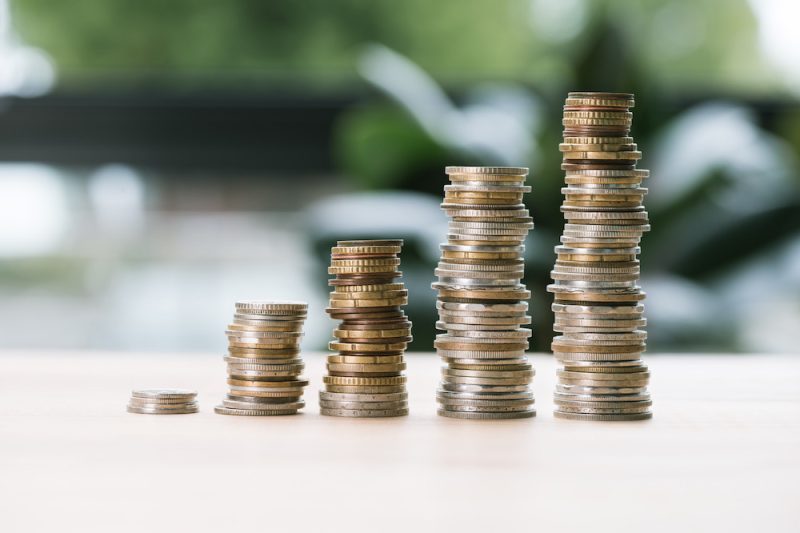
677,43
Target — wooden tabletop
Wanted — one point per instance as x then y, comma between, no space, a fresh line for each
721,454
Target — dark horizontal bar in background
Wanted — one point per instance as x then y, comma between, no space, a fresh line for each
223,132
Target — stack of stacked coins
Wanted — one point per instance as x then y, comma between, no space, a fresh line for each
597,297
264,363
162,402
365,377
481,300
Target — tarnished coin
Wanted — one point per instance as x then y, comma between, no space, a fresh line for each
364,413
223,410
603,417
141,410
263,406
355,406
364,398
477,415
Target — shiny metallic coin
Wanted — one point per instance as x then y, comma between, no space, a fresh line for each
469,415
354,406
364,413
644,396
483,389
365,389
363,398
504,396
260,405
157,394
223,410
158,411
598,390
480,354
603,418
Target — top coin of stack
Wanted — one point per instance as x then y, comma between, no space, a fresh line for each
481,300
264,363
162,402
365,377
597,309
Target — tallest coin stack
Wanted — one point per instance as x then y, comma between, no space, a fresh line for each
597,295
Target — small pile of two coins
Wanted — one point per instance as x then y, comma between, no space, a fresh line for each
481,300
597,297
365,377
162,402
264,363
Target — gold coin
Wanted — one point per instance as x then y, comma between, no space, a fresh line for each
384,302
368,382
364,347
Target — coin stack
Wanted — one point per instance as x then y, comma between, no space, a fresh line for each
264,362
365,377
481,300
162,402
597,296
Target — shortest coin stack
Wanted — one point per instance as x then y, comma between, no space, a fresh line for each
162,402
264,363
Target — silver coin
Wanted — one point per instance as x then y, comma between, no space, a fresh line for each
597,284
485,321
477,277
487,249
484,307
570,404
484,282
568,250
501,265
363,398
452,327
364,413
524,395
637,335
596,310
271,406
454,362
470,408
508,382
265,401
480,354
600,390
465,387
222,410
268,318
355,406
603,418
602,397
164,393
522,375
486,416
159,411
259,374
508,335
479,404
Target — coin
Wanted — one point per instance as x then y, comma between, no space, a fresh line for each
478,415
159,394
187,409
223,410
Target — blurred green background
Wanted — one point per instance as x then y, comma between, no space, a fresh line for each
160,160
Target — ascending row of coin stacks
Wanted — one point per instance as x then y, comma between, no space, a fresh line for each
481,300
264,363
597,296
365,377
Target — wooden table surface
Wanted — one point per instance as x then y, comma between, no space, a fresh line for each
721,454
